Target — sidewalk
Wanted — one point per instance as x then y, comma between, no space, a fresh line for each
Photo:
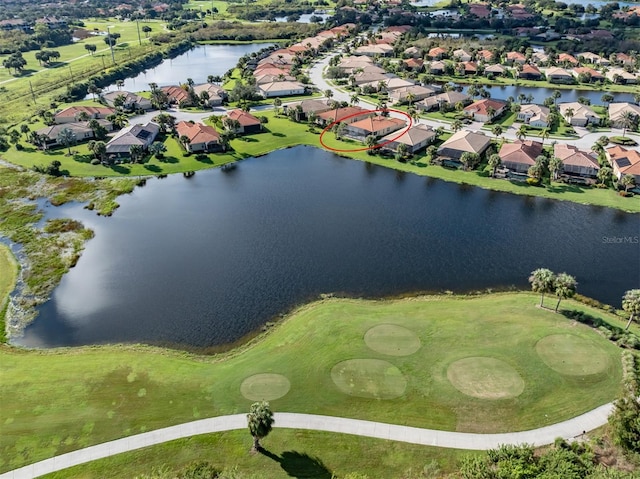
569,429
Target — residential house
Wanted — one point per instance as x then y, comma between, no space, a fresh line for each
621,76
559,75
202,138
480,10
132,101
577,163
539,58
141,135
414,64
578,115
516,58
308,107
217,94
390,83
262,79
281,88
624,162
462,55
410,94
624,59
437,53
73,113
486,55
567,59
534,115
15,24
346,115
437,68
415,138
413,52
81,131
376,125
176,95
593,75
469,68
530,72
464,141
355,62
520,155
247,123
363,78
485,110
617,112
378,49
496,70
446,99
589,57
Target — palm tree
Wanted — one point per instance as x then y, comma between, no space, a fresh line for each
354,99
371,142
607,98
631,304
627,181
277,103
260,421
66,137
402,151
556,94
564,287
521,134
544,134
119,84
341,129
469,160
185,141
627,119
568,113
491,111
494,162
410,98
497,130
542,281
555,166
157,148
98,148
135,151
456,125
328,93
604,175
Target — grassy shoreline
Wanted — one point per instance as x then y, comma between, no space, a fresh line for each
126,389
8,277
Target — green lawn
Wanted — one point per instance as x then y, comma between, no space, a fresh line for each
59,400
293,453
8,275
280,132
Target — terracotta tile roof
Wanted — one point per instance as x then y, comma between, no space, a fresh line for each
481,107
342,113
413,136
627,161
523,152
73,111
571,155
377,123
197,132
565,57
244,118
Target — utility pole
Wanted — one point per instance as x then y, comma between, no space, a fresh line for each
71,73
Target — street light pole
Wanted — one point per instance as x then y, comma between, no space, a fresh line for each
113,58
138,27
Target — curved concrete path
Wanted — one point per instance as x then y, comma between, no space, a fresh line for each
427,437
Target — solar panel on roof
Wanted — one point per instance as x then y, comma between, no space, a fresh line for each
623,162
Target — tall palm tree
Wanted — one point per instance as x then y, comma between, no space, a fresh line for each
354,99
521,134
564,287
631,304
494,162
542,281
410,98
66,137
157,148
497,130
555,166
135,151
544,134
456,125
277,103
627,119
328,93
604,175
627,181
371,141
260,421
568,113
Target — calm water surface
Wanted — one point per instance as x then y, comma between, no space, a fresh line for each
203,261
197,64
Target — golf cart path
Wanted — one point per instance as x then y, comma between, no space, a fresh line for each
569,429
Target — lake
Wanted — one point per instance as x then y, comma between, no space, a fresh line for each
540,94
197,64
205,260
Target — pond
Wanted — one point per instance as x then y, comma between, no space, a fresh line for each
205,260
540,94
197,64
306,17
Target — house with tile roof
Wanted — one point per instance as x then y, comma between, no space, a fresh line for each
415,138
559,75
202,138
617,112
624,162
577,163
73,113
530,72
346,115
485,110
464,141
217,94
281,88
81,130
534,115
520,155
577,114
247,123
445,99
410,94
375,125
132,101
140,135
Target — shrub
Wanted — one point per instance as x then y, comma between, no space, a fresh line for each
95,161
533,181
623,140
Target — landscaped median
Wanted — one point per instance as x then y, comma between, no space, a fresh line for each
401,362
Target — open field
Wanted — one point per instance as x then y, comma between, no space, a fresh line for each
292,453
330,354
280,132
